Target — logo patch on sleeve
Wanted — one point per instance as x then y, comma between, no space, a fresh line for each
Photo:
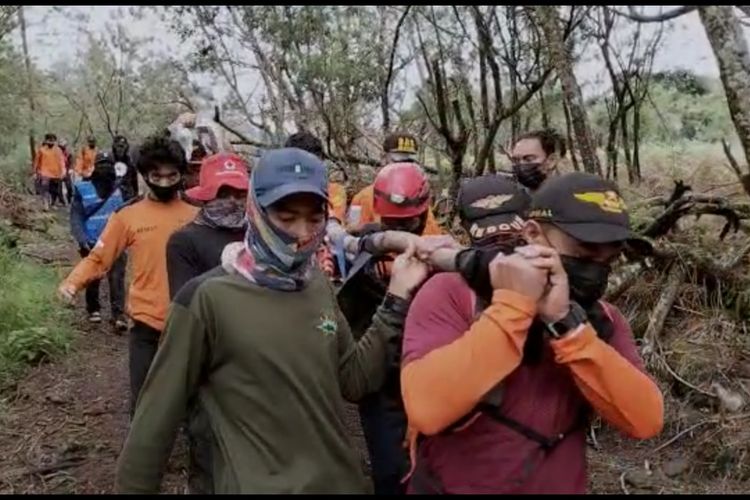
327,325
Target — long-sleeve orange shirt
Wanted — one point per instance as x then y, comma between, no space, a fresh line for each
143,228
452,360
362,211
49,162
85,161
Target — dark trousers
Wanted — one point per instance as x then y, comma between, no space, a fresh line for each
144,341
55,191
384,427
68,188
116,279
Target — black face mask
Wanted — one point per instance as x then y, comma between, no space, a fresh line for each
587,280
407,225
529,175
164,193
119,150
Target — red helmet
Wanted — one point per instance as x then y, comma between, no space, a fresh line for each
401,190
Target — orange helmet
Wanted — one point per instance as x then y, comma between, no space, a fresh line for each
401,190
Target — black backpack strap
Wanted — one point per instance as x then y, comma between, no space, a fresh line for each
545,442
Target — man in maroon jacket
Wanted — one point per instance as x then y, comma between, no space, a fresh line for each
499,382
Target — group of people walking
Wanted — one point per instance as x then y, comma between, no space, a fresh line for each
262,299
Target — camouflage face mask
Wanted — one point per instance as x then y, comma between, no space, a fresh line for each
225,213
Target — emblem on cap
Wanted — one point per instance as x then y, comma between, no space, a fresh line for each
229,165
407,144
298,169
493,201
609,201
397,198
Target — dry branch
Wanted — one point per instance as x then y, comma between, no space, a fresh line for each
730,158
697,205
735,166
675,279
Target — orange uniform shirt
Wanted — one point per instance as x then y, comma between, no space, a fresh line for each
143,228
49,162
337,201
362,211
85,161
450,360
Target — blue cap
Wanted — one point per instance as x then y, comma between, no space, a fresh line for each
286,171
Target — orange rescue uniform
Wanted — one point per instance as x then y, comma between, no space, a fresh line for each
337,201
49,162
441,386
364,203
85,161
143,228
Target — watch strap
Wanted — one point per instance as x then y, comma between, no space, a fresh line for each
576,317
396,304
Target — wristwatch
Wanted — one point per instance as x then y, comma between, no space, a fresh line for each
576,317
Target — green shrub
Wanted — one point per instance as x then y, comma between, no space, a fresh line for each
34,325
15,166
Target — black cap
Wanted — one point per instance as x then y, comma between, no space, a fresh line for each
584,206
491,204
103,158
400,143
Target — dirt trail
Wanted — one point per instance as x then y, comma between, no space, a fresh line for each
62,429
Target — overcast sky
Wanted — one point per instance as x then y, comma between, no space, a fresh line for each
54,36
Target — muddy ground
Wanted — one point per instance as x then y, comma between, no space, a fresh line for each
63,425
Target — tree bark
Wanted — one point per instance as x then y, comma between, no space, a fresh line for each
626,141
515,119
560,56
29,82
724,32
569,136
484,104
636,177
543,107
612,150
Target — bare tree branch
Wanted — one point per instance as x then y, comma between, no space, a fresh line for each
389,75
634,15
107,120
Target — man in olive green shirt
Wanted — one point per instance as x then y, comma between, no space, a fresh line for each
263,345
